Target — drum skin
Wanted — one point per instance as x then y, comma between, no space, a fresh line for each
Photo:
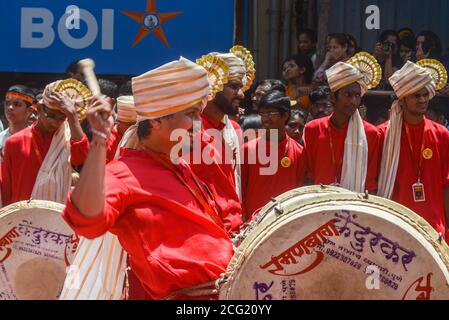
36,246
326,243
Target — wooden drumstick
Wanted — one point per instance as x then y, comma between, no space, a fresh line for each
87,68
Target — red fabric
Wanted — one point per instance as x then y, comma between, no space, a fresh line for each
21,164
220,181
435,171
320,167
209,123
259,189
172,242
112,144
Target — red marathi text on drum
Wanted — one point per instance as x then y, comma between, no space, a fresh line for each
304,246
423,290
5,241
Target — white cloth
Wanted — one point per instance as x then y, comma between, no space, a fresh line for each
355,158
98,270
232,139
54,178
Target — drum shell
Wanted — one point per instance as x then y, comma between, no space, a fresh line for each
343,272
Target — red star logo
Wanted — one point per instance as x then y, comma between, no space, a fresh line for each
151,22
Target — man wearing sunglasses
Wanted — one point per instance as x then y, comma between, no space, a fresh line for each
38,160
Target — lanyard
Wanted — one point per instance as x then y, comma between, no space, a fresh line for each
204,203
409,139
334,162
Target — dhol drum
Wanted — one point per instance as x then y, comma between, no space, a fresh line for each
36,246
329,243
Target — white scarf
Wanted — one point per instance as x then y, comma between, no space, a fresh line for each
231,138
54,178
391,153
355,159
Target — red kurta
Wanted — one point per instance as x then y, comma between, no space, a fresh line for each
259,189
21,163
113,142
220,181
317,144
173,243
210,123
435,171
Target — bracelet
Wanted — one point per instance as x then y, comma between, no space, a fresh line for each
99,133
96,143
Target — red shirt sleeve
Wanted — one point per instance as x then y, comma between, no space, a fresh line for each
79,151
116,194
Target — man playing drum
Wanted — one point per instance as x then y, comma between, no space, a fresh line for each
351,143
415,159
38,160
161,212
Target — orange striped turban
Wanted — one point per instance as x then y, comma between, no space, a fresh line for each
362,69
169,89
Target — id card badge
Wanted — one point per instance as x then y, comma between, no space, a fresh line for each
418,192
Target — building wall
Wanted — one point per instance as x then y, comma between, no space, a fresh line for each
349,16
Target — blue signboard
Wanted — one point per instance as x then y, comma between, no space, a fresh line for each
122,36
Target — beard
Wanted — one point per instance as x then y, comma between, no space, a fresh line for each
224,105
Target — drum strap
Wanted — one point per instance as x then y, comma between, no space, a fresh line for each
205,289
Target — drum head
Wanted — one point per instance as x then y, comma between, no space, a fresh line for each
338,246
36,245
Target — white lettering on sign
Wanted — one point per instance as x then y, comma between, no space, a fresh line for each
37,35
37,29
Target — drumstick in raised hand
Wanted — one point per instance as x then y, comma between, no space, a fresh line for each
87,68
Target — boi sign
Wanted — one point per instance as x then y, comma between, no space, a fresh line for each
123,37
